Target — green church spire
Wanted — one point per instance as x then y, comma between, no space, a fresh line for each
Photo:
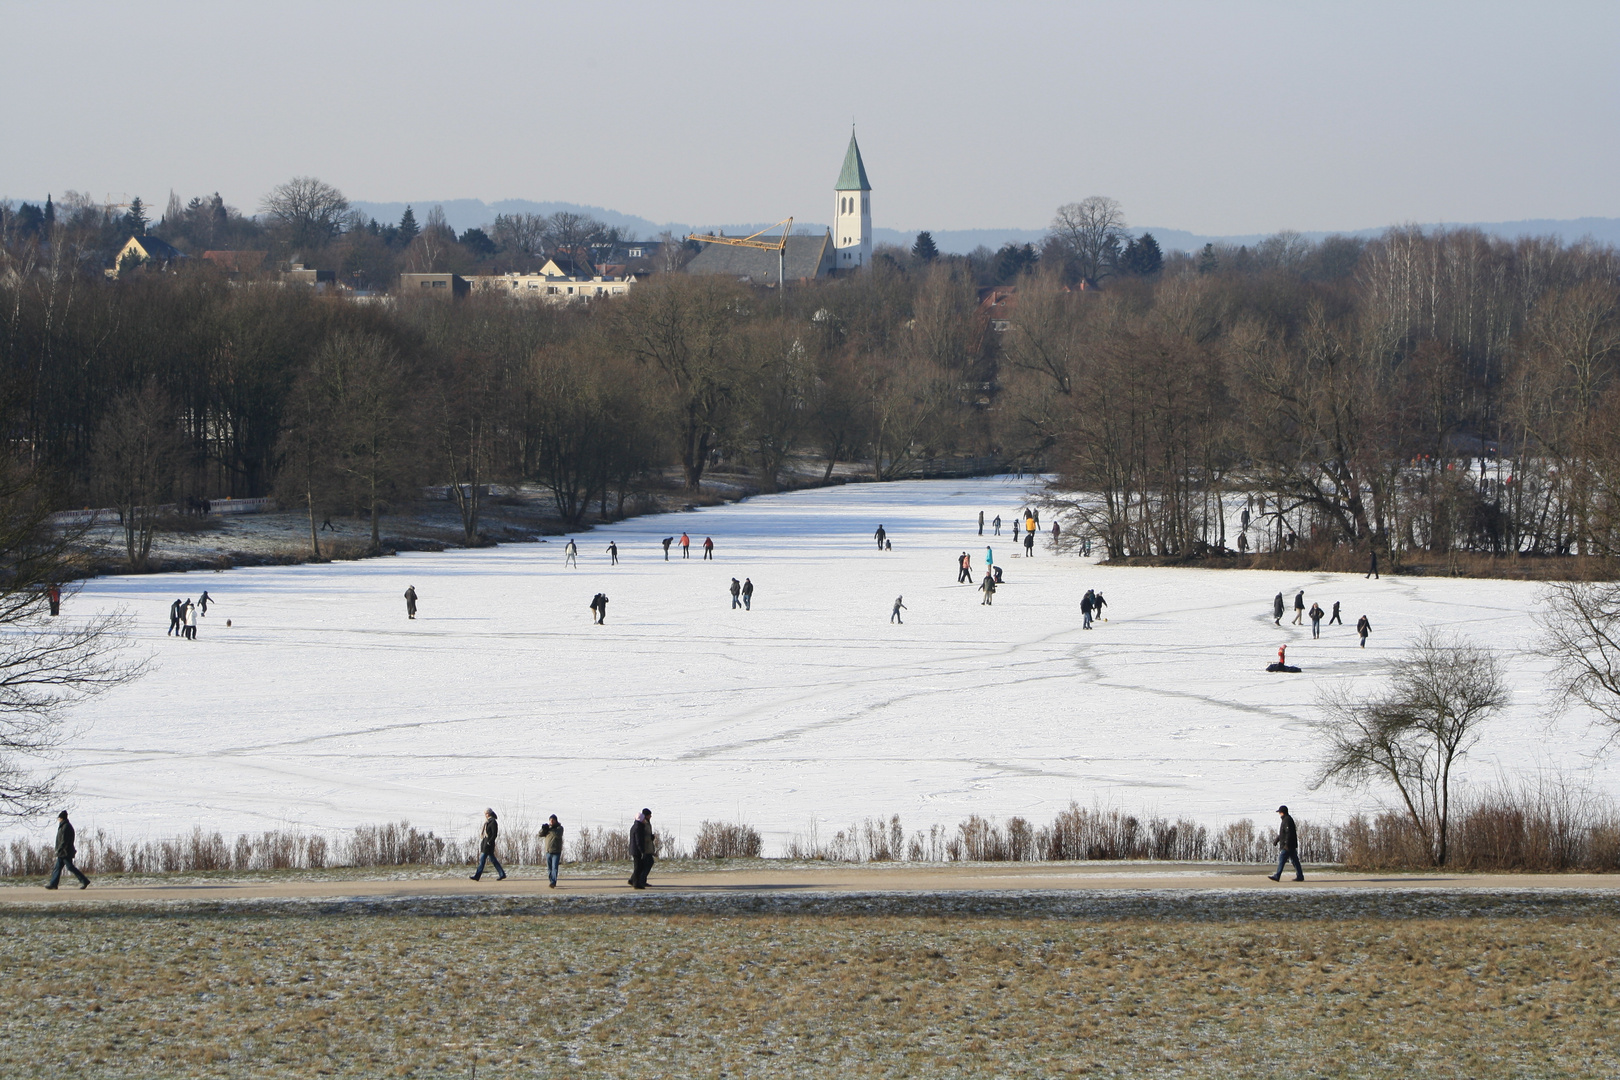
853,178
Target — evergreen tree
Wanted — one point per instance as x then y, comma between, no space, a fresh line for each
135,219
50,213
1142,257
1013,260
1208,263
478,242
408,228
924,249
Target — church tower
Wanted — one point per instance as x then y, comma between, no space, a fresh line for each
852,220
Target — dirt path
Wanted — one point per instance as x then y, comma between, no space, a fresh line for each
1003,879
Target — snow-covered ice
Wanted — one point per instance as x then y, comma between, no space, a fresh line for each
322,706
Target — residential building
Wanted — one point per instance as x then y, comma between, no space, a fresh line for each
146,251
438,286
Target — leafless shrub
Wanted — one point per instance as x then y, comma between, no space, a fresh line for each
723,840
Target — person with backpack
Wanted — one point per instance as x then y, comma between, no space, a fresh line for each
551,838
1287,846
486,847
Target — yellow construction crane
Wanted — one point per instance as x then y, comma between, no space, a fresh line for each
777,244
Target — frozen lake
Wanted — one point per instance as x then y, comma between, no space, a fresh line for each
322,706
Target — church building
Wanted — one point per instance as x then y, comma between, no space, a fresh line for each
845,248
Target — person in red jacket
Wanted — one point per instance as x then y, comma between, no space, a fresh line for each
708,547
686,546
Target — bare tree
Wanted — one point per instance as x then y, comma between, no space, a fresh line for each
1090,232
1582,621
364,387
46,664
520,234
310,211
1414,732
136,462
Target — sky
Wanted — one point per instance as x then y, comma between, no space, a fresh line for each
1220,118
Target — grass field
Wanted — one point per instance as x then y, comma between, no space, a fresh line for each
1328,985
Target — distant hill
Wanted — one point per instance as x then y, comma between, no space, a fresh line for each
463,214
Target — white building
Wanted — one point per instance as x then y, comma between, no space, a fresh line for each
560,281
852,219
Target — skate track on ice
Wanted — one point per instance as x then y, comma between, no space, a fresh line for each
323,707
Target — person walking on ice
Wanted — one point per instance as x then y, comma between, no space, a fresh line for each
686,546
708,547
486,847
1363,628
899,606
981,522
1316,620
599,609
571,554
881,536
203,601
1098,603
65,850
1088,604
1287,846
410,601
736,594
551,836
1372,570
988,587
1299,608
613,553
174,619
1277,609
964,568
1029,545
668,540
997,524
188,621
748,594
1335,618
989,558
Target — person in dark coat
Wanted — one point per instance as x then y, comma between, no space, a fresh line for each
1335,618
1363,628
1316,620
736,594
1088,604
1287,846
1277,609
174,619
486,847
1029,544
613,553
988,587
1372,571
668,540
1299,608
1098,603
748,594
203,601
981,522
964,568
410,601
996,570
642,845
65,850
997,524
551,836
599,608
881,535
54,595
899,606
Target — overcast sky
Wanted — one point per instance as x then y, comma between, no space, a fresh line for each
1221,117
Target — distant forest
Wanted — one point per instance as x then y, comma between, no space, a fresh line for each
1422,391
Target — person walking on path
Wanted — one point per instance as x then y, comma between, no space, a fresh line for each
571,554
881,536
613,553
486,847
988,587
748,594
1287,846
551,837
736,594
1372,570
65,850
1277,609
964,568
203,601
1029,545
997,524
1335,618
1363,628
1299,608
981,522
410,601
642,843
686,546
899,606
599,609
174,619
1088,604
668,540
54,595
1316,620
708,547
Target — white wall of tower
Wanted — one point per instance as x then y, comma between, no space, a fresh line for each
852,229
